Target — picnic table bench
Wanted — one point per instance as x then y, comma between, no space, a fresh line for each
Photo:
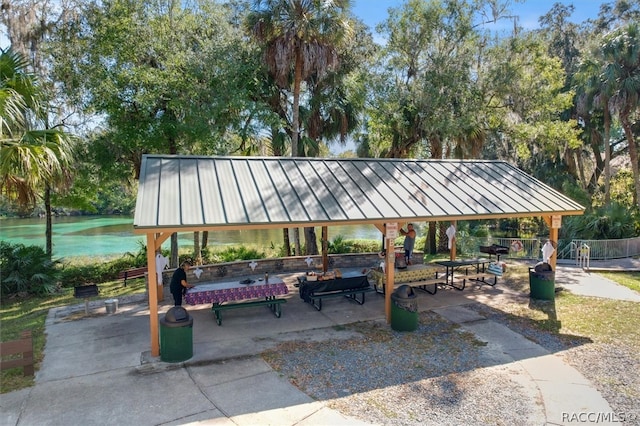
272,302
420,276
132,273
351,285
18,353
468,270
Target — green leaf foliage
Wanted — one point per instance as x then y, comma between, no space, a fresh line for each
26,269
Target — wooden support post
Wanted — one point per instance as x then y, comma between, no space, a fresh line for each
554,226
325,248
389,269
154,298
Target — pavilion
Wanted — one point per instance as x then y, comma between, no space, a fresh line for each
200,193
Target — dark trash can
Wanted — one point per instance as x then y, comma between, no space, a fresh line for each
404,309
542,282
176,335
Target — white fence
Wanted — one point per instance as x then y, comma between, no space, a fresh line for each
606,249
575,250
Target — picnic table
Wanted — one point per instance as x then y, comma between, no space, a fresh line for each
350,285
419,276
467,270
245,293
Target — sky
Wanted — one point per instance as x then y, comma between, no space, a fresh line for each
373,12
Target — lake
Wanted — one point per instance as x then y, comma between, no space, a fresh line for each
113,235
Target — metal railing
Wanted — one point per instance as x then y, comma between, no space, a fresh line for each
579,251
610,249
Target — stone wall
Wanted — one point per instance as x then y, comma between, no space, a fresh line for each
242,268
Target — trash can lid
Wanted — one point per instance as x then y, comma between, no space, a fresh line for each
176,314
404,292
542,267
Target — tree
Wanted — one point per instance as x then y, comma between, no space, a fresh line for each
526,97
34,158
427,98
621,80
299,38
159,77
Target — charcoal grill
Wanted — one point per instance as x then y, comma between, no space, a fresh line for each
494,249
85,292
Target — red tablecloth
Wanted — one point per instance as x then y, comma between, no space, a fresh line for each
228,291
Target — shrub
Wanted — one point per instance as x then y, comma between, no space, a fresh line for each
236,253
339,245
26,269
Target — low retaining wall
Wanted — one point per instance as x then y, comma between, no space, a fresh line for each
242,268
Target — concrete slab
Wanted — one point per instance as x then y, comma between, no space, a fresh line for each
97,369
325,416
115,397
586,283
459,314
561,408
264,398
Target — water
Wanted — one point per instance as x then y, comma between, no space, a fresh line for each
113,235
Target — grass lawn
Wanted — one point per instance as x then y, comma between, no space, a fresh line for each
30,314
597,319
601,320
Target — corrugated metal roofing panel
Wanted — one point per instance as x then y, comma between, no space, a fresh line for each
273,205
212,205
344,202
190,193
169,196
239,192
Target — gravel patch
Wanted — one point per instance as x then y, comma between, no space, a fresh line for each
442,375
436,375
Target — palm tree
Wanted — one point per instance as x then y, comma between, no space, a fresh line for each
300,38
621,76
587,86
33,157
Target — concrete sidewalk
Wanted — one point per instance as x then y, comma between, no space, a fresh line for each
97,370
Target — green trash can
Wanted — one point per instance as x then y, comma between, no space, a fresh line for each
176,335
542,282
404,309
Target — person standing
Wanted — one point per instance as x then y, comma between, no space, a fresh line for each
179,284
409,242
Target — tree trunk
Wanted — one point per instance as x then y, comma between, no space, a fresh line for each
310,240
205,239
296,241
197,253
287,243
595,141
607,152
431,240
443,241
583,180
633,156
173,261
48,230
297,80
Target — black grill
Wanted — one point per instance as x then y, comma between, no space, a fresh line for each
84,291
494,249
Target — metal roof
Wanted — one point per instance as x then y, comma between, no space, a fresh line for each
184,193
